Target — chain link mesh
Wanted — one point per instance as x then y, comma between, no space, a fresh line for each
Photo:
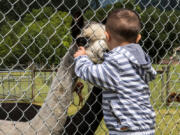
35,36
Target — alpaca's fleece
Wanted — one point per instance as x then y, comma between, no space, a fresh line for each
95,31
97,45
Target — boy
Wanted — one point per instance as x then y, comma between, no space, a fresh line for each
124,76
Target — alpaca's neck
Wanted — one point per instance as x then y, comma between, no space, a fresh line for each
53,111
52,115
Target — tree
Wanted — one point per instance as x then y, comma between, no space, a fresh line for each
42,41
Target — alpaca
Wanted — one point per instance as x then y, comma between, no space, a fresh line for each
18,111
53,113
87,119
173,97
78,89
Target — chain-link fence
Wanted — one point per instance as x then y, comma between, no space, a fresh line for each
36,65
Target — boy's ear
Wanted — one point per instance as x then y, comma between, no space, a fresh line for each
107,35
138,38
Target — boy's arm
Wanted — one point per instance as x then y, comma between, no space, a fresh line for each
151,72
102,75
88,71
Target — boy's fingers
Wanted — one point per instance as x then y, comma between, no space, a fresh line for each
75,55
81,51
81,48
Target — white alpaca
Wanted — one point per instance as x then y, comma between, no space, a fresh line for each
52,115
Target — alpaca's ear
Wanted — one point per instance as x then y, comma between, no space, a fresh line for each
77,24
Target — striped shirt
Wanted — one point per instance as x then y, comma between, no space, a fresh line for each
124,78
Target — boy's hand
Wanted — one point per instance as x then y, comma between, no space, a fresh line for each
81,51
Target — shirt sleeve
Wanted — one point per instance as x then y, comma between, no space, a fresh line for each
102,75
151,74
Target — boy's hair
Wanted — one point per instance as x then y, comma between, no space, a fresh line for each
124,25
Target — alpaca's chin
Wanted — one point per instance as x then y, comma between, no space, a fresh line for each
97,60
94,57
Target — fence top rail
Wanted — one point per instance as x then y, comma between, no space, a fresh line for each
14,71
34,70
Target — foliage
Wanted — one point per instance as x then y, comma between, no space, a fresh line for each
22,7
41,40
160,32
43,34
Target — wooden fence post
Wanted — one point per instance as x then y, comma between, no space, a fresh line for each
3,86
33,81
167,82
53,73
162,84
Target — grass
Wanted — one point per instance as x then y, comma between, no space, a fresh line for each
167,117
19,85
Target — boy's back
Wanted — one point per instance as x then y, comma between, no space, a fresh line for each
126,102
137,51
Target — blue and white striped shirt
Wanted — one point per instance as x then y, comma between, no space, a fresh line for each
124,78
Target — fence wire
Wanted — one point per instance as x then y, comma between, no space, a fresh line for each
35,37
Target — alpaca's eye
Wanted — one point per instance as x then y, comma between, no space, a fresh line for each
106,51
82,41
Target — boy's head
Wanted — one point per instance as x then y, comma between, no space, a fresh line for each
123,26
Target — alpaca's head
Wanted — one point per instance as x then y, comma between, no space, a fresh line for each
94,31
92,37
